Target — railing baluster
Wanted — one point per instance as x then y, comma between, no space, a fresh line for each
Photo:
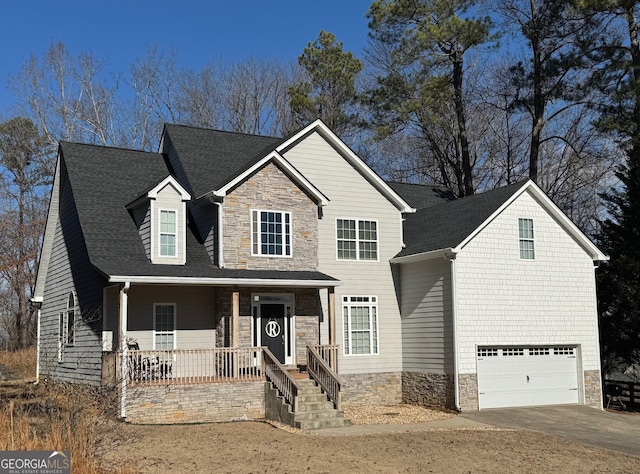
168,367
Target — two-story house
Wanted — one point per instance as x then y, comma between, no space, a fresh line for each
192,275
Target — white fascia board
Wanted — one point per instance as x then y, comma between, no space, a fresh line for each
554,210
184,195
353,159
49,233
418,257
224,281
595,253
288,168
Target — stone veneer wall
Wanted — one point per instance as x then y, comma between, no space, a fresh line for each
198,403
428,390
307,333
270,189
376,388
593,388
468,386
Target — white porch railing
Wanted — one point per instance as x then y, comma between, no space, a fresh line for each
320,370
188,366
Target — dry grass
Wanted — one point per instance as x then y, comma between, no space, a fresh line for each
21,362
52,416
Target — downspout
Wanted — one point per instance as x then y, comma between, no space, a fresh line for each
124,302
38,305
454,316
220,234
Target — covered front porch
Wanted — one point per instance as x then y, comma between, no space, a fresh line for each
185,344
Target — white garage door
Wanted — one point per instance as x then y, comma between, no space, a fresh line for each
526,376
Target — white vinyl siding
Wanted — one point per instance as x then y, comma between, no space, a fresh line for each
164,325
357,239
271,233
168,233
427,329
525,232
352,196
552,302
360,324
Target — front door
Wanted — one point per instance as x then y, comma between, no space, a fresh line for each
273,328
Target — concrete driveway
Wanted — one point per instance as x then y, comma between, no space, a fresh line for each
612,430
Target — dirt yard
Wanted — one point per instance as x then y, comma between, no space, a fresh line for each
252,447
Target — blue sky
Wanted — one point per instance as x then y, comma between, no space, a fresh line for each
121,31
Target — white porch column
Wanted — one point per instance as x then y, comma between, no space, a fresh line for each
235,329
332,315
124,303
235,319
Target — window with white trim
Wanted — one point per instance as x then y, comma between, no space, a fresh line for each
271,233
70,332
164,323
525,231
168,233
356,239
360,323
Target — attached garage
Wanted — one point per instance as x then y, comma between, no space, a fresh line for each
526,376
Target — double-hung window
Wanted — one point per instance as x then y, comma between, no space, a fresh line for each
168,231
271,233
360,323
164,321
356,239
525,232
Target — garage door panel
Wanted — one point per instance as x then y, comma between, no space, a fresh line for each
526,376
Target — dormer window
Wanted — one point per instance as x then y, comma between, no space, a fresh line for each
161,217
167,233
271,233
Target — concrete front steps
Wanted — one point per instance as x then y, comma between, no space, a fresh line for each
315,412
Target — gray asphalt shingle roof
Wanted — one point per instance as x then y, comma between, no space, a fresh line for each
446,225
110,233
211,158
420,196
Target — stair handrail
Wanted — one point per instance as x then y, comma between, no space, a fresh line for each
278,375
326,378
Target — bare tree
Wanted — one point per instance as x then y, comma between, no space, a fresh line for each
68,98
256,96
22,217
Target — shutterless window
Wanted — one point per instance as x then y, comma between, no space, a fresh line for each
61,331
357,239
168,233
271,233
164,326
360,323
70,338
525,230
